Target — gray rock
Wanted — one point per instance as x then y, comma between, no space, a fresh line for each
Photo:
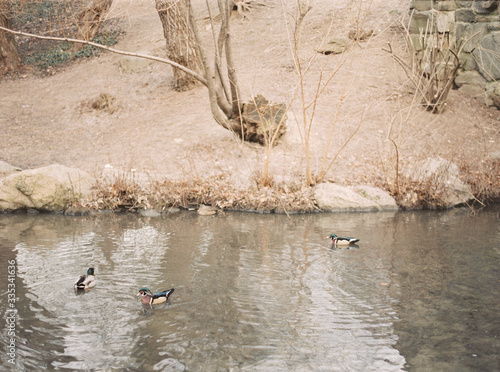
6,169
467,61
464,3
496,101
488,55
493,94
336,198
206,210
421,5
445,21
152,213
495,155
474,92
419,21
48,188
473,33
484,6
445,5
381,197
493,26
129,64
470,78
443,176
465,15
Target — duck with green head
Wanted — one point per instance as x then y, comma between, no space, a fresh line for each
148,298
86,281
339,240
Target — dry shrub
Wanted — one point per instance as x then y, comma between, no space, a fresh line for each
482,176
484,179
217,191
432,63
124,193
420,195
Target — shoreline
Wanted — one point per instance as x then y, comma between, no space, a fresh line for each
71,191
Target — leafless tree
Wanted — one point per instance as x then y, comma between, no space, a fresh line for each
256,121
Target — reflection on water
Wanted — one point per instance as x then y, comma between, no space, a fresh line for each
256,292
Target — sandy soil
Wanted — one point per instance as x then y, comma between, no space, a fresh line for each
159,132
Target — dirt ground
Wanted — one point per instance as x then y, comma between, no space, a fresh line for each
158,132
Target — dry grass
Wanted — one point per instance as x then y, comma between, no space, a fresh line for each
484,179
125,194
481,175
432,64
420,195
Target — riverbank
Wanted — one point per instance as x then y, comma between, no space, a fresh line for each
60,189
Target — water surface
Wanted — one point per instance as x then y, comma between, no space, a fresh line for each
255,292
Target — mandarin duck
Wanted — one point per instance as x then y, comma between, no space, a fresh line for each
86,281
148,298
338,240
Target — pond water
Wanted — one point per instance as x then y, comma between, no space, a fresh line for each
420,292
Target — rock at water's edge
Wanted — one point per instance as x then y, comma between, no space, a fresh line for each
48,188
331,197
443,175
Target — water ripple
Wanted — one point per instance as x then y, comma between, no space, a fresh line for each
253,293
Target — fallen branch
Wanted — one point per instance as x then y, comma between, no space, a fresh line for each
117,51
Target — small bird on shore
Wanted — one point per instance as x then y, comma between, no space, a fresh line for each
148,298
86,281
339,240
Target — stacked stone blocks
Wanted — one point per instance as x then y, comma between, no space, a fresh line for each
475,24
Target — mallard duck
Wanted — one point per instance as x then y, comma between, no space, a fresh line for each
338,240
86,281
148,298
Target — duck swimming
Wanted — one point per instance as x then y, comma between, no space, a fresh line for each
148,298
86,281
339,240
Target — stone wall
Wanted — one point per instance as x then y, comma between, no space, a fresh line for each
478,23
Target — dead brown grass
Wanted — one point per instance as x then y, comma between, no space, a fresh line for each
481,175
125,194
484,179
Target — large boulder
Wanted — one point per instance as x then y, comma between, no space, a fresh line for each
331,197
488,55
48,188
444,177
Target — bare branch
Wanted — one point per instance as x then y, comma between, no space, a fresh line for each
117,51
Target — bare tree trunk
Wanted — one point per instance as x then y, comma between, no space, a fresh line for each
181,42
90,19
256,121
9,57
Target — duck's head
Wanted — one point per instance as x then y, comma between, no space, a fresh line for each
332,236
90,271
144,292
